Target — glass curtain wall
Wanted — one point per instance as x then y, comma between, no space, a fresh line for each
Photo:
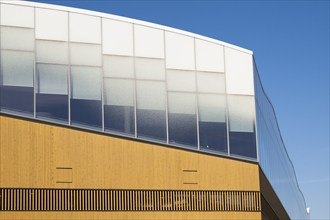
242,138
182,116
144,82
52,65
122,78
212,112
119,106
16,83
273,157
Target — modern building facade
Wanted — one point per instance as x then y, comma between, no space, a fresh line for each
104,117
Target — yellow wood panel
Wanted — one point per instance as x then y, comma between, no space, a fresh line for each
132,215
31,152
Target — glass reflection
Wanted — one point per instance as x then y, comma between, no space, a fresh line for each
52,106
87,113
52,95
242,138
16,90
119,106
182,122
17,99
151,120
243,144
85,102
212,122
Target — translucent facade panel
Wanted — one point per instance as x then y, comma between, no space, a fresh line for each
52,106
150,68
182,103
211,82
85,54
119,106
239,72
86,83
212,108
52,52
17,38
119,92
52,79
14,15
209,56
180,52
118,66
52,24
117,37
242,138
241,113
181,80
14,74
182,122
243,144
16,89
85,102
273,158
212,122
85,28
17,99
151,102
52,94
148,42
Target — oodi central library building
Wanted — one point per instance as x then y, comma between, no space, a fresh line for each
107,117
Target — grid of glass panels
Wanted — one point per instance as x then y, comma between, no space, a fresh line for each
137,81
120,78
16,85
273,157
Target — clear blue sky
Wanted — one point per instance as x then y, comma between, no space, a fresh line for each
290,40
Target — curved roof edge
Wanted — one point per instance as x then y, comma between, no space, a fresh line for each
124,19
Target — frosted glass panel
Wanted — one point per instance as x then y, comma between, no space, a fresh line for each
151,95
212,122
149,42
119,106
13,15
86,83
182,103
117,37
52,79
211,82
52,96
85,28
239,72
181,80
17,98
85,54
52,52
209,56
51,24
150,68
17,38
241,113
151,115
179,51
118,66
182,123
212,108
119,92
14,74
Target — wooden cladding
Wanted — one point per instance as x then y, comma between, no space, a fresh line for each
127,200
